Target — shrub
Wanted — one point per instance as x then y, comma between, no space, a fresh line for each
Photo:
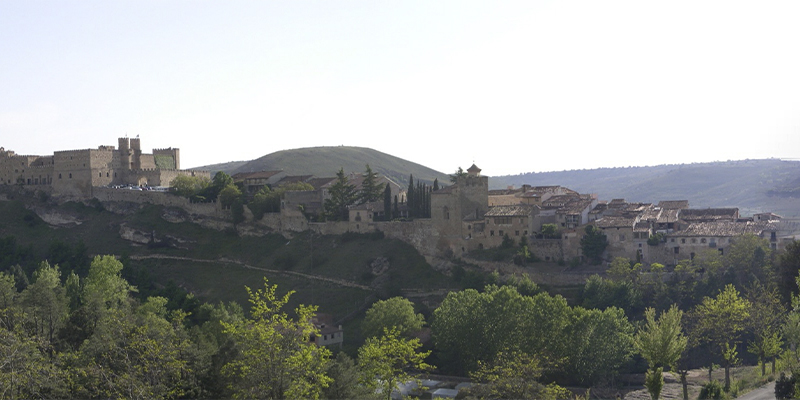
784,387
711,390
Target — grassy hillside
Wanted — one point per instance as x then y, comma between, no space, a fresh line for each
215,265
326,161
751,185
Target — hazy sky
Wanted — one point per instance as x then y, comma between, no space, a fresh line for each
513,86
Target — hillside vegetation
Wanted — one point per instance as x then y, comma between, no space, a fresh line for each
325,161
751,185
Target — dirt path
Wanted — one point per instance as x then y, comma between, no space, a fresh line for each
340,282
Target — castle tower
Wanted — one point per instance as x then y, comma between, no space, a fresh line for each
124,153
136,149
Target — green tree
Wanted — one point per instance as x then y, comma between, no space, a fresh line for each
766,318
593,244
388,360
387,203
104,287
602,293
720,322
134,355
397,313
598,343
275,359
458,174
229,194
550,231
661,343
45,303
622,268
346,379
25,372
188,186
370,187
342,195
749,259
514,375
788,270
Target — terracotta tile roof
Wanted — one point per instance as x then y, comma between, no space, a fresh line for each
708,214
317,183
725,228
293,179
651,214
674,204
575,206
615,222
641,227
668,216
509,211
599,208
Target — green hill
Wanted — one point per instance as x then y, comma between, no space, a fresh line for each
751,185
326,161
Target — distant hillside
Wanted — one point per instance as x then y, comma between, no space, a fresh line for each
751,185
326,161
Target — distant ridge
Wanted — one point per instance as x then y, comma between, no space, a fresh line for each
751,185
326,161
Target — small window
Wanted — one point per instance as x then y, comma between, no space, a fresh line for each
70,175
683,241
703,240
99,174
500,233
672,240
59,176
491,233
677,250
516,233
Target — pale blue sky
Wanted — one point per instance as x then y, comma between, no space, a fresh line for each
513,86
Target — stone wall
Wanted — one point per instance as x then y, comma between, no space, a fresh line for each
547,249
157,198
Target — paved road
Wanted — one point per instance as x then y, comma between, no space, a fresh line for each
763,393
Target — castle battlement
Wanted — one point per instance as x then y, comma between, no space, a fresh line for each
166,149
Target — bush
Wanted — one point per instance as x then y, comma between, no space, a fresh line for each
711,390
784,387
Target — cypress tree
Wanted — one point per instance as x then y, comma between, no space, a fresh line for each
410,196
387,203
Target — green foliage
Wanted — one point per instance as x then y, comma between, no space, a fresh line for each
513,375
550,231
458,174
345,380
389,359
661,341
507,242
188,186
593,244
274,358
229,194
342,194
601,293
655,240
749,259
720,322
784,387
654,382
371,189
711,390
788,270
394,313
623,269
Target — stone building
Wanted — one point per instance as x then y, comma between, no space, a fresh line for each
73,173
458,210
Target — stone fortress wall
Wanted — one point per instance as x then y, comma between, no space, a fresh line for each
74,173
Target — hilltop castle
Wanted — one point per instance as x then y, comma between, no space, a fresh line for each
73,173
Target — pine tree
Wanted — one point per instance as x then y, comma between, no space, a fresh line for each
342,195
370,188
